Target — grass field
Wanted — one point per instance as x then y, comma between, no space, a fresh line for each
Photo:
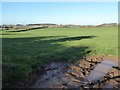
29,50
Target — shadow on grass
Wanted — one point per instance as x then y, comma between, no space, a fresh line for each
6,34
75,38
22,55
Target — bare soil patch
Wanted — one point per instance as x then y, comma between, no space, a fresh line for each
65,75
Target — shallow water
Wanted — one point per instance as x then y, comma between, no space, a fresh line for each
101,70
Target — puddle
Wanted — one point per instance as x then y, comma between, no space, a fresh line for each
101,70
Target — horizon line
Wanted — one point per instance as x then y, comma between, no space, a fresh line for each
60,24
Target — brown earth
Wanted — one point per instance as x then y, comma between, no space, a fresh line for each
64,75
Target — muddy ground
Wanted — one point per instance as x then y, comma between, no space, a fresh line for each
66,75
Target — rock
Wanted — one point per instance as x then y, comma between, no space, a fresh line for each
75,74
82,76
75,68
75,80
87,73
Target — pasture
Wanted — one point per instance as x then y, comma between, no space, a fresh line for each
25,51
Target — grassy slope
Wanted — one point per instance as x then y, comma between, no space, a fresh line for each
24,51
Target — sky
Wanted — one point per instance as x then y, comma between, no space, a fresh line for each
81,13
60,0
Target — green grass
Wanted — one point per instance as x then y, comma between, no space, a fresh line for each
28,50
